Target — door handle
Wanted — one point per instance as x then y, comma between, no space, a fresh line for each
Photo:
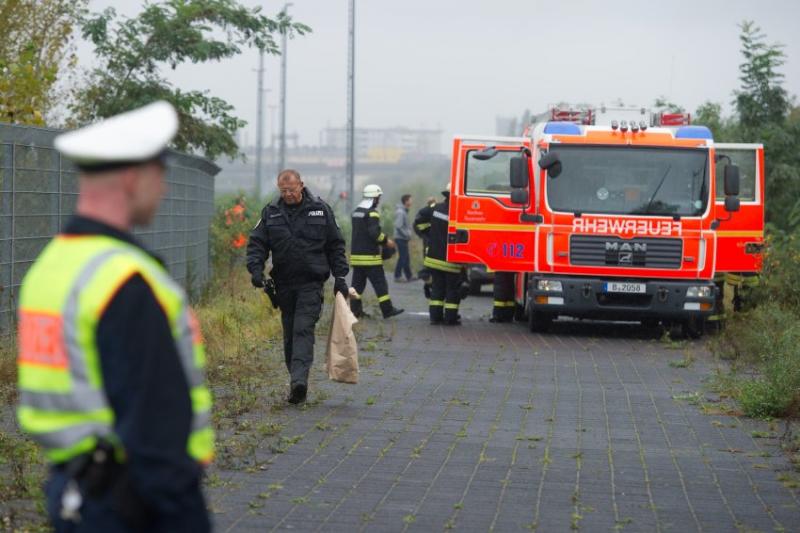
461,236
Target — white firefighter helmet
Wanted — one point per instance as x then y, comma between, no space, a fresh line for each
372,191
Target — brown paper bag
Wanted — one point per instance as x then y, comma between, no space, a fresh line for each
342,356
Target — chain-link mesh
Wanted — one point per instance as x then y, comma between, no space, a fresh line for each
38,192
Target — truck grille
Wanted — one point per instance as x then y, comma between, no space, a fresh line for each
613,251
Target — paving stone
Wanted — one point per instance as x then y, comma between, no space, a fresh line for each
577,428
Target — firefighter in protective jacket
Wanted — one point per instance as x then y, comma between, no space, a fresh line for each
446,277
365,253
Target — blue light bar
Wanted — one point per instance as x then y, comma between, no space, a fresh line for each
562,128
693,132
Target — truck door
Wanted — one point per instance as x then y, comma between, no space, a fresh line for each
485,226
740,239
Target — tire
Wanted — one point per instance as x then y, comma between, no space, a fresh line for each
539,322
474,287
694,327
519,313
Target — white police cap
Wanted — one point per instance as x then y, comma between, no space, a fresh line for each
125,139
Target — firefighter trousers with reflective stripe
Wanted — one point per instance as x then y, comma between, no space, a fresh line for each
445,297
503,293
377,277
300,310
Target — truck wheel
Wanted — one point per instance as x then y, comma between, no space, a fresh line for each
694,327
474,287
538,321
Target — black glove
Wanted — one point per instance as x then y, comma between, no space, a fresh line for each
340,286
257,279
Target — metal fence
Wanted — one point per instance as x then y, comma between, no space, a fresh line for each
38,192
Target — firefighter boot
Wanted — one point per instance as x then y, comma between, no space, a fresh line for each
387,308
451,316
356,306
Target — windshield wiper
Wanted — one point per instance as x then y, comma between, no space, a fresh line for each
660,183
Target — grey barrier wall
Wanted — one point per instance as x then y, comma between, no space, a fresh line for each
38,192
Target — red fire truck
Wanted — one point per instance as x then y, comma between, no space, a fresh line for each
632,220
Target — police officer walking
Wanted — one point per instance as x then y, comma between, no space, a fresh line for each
300,232
446,277
111,380
503,292
365,253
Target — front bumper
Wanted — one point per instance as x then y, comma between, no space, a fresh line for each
586,298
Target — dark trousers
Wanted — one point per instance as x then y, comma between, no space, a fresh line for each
403,259
377,277
99,514
503,292
445,297
300,309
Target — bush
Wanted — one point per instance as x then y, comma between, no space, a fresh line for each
764,341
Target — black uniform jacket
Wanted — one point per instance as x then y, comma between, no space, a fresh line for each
433,223
147,389
305,242
367,234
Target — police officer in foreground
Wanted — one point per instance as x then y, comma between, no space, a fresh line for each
111,358
445,295
365,253
300,232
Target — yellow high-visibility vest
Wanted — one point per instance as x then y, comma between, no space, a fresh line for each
62,404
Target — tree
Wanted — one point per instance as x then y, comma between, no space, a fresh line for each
133,53
35,47
762,99
665,106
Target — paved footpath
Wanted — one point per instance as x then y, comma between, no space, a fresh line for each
491,428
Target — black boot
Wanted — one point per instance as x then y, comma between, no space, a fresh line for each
298,393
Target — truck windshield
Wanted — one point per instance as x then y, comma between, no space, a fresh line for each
630,180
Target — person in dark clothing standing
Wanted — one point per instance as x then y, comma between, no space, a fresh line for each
300,231
445,295
402,236
111,378
422,226
365,254
503,292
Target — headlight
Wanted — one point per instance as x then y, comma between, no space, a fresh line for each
699,292
549,285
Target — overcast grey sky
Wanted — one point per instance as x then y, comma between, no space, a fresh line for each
457,64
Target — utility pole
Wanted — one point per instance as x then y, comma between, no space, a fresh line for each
282,149
272,135
351,53
259,124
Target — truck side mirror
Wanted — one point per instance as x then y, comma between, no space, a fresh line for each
519,196
551,163
518,173
732,204
731,180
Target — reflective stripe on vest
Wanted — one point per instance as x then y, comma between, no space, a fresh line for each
365,260
444,266
62,402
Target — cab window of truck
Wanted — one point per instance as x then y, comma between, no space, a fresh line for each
489,177
630,180
746,160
